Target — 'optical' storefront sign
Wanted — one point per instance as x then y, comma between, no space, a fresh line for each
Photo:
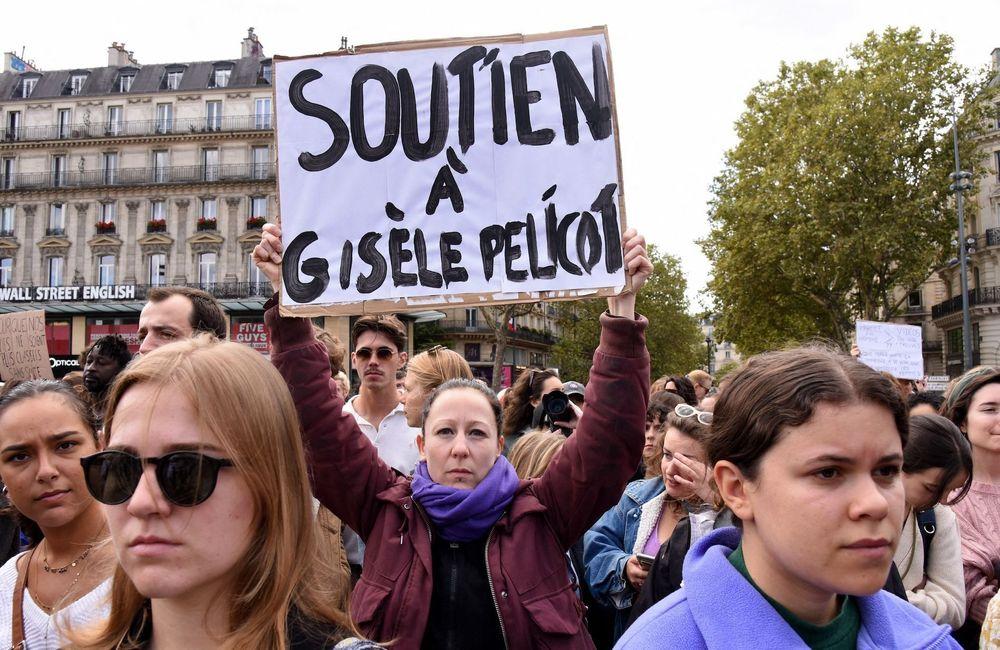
68,294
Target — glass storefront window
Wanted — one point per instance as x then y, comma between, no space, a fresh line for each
59,336
127,328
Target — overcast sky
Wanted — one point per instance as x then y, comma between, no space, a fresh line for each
681,70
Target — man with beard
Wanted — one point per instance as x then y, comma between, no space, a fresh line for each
102,361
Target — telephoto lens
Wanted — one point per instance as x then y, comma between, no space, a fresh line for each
556,405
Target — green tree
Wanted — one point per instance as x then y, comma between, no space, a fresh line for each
674,337
834,203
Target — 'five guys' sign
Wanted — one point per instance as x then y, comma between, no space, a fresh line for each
477,171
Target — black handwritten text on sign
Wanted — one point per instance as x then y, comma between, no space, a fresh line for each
450,170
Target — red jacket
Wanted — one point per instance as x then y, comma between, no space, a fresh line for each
525,550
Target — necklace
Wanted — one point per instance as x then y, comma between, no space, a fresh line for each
48,609
49,569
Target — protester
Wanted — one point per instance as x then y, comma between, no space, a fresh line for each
101,363
207,499
425,583
683,387
658,385
707,404
974,406
173,313
647,514
521,401
379,353
807,448
424,373
924,403
64,576
334,349
575,391
937,473
660,406
702,382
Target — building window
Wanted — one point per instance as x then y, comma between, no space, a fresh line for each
914,299
26,87
472,351
125,82
164,118
255,276
7,173
262,113
220,76
209,208
6,271
109,211
7,221
13,126
106,270
76,82
213,115
110,168
158,270
206,269
55,271
264,76
58,171
63,120
157,210
172,79
261,162
471,318
57,222
114,126
210,164
258,206
160,161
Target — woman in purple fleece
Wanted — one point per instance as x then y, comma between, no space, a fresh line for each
807,447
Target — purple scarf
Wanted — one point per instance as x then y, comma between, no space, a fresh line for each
465,515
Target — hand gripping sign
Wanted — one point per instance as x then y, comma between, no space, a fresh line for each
450,172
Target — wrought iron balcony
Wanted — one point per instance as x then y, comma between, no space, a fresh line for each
6,233
140,176
479,327
55,232
979,296
134,128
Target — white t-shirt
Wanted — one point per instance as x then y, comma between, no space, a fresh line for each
40,632
395,440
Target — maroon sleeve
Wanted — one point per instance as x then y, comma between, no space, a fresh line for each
588,475
344,467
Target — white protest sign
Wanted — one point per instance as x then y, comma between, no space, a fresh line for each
435,173
937,383
896,349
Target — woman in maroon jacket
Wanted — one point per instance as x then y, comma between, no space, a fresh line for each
464,554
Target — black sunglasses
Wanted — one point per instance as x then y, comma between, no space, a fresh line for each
383,353
186,478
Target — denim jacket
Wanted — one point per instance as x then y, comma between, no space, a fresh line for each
609,544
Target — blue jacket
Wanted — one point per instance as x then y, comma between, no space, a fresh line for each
608,545
718,608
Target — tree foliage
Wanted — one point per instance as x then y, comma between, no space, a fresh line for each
674,337
498,317
836,196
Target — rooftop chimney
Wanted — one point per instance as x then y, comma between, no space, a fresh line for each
119,57
252,47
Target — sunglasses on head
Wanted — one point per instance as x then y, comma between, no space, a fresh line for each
383,353
186,478
688,411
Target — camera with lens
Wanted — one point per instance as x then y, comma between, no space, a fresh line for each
554,407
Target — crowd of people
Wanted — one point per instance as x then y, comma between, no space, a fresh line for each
202,495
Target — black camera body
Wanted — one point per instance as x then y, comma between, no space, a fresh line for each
556,407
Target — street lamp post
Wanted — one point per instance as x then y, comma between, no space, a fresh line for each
708,354
961,183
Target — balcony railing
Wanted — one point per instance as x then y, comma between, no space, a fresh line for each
6,233
141,176
55,232
983,296
134,128
479,327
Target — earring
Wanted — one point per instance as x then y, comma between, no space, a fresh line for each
4,490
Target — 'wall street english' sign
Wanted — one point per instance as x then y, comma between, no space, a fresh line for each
432,173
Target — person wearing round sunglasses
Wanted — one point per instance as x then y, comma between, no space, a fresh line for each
464,554
205,490
618,549
64,576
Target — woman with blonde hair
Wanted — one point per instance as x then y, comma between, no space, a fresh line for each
207,500
424,373
533,452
